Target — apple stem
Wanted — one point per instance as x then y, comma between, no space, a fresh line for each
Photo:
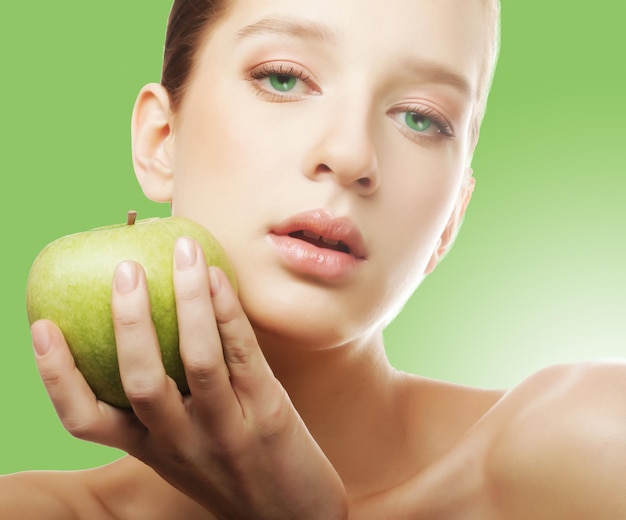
132,217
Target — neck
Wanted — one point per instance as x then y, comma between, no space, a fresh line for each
347,396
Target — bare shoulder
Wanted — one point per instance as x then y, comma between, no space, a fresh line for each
60,495
130,489
125,489
449,410
452,405
558,444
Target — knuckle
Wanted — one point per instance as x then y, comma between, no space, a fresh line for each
189,287
79,427
181,456
203,373
237,352
227,312
51,377
188,293
143,393
226,449
275,417
127,320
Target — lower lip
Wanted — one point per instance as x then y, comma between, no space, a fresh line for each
309,260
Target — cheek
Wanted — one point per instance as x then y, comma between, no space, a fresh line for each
216,163
208,148
231,150
418,208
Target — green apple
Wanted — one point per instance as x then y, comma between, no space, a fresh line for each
70,283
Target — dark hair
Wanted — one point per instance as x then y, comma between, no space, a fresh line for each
188,23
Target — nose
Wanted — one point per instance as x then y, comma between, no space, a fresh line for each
345,151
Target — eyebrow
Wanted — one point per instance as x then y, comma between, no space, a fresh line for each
303,29
435,72
295,28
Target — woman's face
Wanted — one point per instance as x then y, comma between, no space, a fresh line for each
345,119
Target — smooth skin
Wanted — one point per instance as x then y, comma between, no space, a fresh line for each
295,410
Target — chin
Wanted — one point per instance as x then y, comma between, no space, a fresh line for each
301,323
297,328
304,313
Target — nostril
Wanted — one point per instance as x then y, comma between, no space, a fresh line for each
364,181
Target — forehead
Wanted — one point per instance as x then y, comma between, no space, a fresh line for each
450,33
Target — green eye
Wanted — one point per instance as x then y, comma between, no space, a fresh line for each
418,122
283,82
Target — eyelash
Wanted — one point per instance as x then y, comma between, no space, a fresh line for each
443,128
264,71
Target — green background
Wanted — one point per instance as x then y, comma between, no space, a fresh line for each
536,276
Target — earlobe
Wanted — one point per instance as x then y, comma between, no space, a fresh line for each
456,219
152,138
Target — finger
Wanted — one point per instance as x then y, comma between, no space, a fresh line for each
153,395
251,376
200,344
80,412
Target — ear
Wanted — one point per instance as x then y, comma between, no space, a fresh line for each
152,139
454,224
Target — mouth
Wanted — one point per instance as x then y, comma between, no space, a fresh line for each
317,246
325,232
320,241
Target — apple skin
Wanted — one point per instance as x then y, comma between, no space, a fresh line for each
71,281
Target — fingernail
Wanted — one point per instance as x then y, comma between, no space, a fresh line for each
126,278
41,339
185,254
214,281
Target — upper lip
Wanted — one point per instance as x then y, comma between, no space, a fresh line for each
321,222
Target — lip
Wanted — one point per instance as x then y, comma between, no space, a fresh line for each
340,251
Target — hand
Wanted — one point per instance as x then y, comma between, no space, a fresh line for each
236,445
